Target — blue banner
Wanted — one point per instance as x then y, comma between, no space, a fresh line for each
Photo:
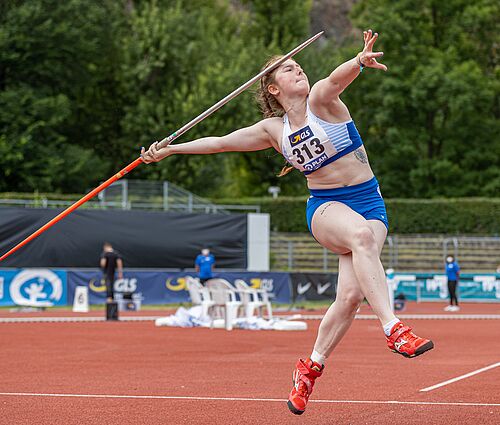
171,287
33,287
55,287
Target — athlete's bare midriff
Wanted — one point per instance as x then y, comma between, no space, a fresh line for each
349,170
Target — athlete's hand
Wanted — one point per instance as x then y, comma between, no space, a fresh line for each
155,154
367,57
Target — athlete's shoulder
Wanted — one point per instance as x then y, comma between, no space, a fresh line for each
273,121
330,109
273,126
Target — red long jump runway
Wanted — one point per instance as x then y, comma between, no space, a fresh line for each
134,373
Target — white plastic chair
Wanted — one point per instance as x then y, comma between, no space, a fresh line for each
224,296
199,295
253,299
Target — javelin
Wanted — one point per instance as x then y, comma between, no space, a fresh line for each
164,142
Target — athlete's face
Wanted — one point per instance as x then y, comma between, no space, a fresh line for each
291,79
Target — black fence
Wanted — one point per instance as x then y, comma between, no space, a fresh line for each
144,239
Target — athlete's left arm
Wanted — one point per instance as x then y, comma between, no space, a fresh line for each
328,90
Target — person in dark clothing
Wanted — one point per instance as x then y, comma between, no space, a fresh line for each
452,270
110,262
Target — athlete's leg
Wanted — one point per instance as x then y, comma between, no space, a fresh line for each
340,229
359,242
338,318
340,315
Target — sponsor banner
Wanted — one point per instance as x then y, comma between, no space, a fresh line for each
153,287
314,286
171,287
33,287
434,287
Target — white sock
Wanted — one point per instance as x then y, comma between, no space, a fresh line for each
318,358
388,326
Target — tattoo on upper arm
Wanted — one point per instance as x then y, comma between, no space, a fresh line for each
361,155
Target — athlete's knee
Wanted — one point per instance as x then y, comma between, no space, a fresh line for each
351,300
364,239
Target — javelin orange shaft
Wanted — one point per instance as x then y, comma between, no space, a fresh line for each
73,207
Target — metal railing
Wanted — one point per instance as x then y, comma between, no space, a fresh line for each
140,194
401,252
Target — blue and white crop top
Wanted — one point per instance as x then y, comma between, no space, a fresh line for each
318,143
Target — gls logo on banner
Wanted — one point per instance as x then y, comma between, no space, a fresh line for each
259,283
176,284
121,285
37,288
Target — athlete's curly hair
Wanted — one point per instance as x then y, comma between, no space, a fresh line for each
268,104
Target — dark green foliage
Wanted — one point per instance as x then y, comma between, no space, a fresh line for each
459,216
55,59
432,121
85,83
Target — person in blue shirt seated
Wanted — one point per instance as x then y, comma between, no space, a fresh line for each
452,270
204,264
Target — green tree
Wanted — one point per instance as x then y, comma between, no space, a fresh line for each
280,23
278,26
179,58
55,61
432,119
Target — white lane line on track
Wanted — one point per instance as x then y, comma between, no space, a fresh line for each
458,378
194,398
417,316
75,319
303,317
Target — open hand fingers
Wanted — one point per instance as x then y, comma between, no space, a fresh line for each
367,36
370,57
369,60
375,64
372,41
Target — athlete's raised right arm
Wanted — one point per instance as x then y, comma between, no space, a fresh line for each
254,138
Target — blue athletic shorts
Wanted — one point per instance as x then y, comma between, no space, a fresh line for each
364,198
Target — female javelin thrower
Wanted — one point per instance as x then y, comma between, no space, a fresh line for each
313,130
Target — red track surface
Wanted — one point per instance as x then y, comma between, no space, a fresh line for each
138,359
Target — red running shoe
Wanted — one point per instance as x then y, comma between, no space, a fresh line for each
303,378
403,341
